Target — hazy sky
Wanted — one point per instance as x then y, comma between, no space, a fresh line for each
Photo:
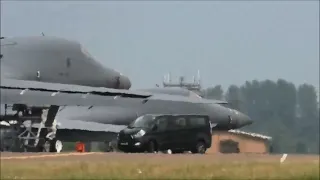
229,42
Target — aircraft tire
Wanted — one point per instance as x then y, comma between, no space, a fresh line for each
40,145
46,146
53,145
56,146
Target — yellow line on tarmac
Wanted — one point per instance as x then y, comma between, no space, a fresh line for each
49,155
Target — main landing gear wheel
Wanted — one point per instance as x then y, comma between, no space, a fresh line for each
52,146
46,146
58,146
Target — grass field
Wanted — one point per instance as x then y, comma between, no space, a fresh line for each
159,166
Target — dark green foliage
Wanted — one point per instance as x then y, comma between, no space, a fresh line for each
213,93
288,113
235,98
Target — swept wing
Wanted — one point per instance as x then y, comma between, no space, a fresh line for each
44,93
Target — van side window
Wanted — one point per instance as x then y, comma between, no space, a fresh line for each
197,121
180,122
162,123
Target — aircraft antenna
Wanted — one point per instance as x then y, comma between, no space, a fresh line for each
167,78
192,86
199,76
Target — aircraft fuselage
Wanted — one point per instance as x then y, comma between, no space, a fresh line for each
221,117
56,60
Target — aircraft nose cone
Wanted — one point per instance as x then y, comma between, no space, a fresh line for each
244,120
125,82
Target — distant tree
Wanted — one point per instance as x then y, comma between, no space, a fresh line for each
286,102
266,104
308,116
307,101
214,93
250,92
235,98
289,114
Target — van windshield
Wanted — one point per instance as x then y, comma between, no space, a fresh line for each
142,122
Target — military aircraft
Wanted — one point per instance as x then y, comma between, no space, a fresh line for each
61,76
40,71
56,60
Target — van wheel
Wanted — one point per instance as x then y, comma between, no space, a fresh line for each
151,147
200,148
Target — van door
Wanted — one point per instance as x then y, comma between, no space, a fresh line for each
196,125
180,132
163,134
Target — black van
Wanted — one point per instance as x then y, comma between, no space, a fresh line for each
159,132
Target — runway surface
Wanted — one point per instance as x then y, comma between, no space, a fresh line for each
97,156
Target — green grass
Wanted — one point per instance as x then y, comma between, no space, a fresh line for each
157,168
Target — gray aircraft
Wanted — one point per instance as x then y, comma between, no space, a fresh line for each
56,60
61,76
37,72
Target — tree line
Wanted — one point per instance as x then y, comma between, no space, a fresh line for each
289,114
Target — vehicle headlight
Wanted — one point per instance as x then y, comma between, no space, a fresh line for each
139,134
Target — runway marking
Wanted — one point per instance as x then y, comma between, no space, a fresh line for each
49,155
283,158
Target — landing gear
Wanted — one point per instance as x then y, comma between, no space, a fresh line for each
34,130
52,146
